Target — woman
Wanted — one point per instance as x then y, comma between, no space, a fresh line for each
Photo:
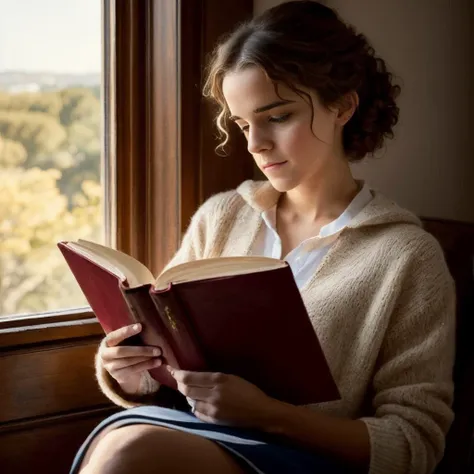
310,96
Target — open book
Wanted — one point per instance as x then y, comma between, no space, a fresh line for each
236,315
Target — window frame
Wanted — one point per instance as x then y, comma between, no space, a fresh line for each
25,329
48,359
154,53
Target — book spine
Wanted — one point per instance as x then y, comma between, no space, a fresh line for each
188,352
154,332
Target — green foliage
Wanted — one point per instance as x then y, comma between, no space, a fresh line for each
79,105
49,191
47,102
83,138
36,131
11,153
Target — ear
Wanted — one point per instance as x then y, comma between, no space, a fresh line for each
347,107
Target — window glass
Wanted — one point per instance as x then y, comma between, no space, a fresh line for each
50,148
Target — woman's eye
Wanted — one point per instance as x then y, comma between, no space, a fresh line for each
275,119
279,118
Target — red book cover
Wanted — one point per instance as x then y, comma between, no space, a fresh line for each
256,326
253,325
115,306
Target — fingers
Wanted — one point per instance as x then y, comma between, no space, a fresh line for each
208,413
121,352
111,349
118,364
197,379
114,338
197,393
124,373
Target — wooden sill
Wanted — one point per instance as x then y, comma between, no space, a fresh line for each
20,331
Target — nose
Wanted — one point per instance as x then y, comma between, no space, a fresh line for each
257,141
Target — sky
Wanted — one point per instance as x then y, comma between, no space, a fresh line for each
61,36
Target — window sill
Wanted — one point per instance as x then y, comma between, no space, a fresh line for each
67,326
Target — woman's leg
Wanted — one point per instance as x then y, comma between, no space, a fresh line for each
148,449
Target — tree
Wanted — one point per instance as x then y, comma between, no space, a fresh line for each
49,191
12,153
47,102
33,218
38,132
80,105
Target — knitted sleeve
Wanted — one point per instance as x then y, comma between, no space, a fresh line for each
195,245
413,382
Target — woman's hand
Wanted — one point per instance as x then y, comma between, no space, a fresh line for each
224,399
128,364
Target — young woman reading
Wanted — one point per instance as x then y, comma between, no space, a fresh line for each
310,96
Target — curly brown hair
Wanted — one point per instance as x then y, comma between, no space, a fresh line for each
304,43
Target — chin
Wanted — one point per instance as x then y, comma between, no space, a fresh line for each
282,185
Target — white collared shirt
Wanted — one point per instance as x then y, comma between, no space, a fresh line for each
306,257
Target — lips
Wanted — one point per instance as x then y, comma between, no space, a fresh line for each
267,166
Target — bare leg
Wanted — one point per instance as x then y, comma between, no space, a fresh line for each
148,449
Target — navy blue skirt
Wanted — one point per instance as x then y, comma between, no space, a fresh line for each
257,452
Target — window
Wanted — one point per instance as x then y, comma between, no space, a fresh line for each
158,164
51,148
156,141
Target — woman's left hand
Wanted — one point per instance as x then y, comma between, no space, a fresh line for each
224,399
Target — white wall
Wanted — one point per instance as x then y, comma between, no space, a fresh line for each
429,44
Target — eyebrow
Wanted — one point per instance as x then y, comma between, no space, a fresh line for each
264,108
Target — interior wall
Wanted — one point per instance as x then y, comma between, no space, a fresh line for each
429,45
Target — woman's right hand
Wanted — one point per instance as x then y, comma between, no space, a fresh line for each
128,364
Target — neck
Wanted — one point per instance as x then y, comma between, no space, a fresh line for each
320,199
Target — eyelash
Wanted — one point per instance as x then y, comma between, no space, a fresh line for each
276,119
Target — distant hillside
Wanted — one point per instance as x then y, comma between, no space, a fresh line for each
19,81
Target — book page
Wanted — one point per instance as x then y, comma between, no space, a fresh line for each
120,264
216,268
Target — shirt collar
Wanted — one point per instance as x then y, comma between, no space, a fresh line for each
363,197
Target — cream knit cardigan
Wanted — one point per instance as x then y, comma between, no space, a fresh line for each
382,303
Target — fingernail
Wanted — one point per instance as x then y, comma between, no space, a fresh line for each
170,369
158,362
136,327
156,352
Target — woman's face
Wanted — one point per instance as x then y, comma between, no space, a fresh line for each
287,147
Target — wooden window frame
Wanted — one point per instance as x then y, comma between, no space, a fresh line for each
160,166
160,162
164,166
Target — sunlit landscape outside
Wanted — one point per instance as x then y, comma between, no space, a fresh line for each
50,148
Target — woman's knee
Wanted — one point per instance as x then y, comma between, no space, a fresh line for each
126,448
145,449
